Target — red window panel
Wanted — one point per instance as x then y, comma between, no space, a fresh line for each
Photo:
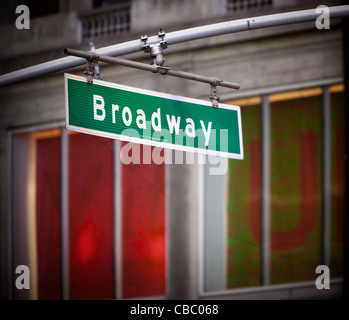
255,190
143,231
48,218
91,217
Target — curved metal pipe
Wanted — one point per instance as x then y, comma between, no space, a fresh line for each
176,37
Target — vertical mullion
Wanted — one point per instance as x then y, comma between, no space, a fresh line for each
64,198
266,174
326,169
117,212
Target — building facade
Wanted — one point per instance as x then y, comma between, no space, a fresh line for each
96,218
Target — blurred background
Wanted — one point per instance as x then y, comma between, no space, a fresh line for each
90,227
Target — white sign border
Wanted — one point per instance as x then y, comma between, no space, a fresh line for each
239,156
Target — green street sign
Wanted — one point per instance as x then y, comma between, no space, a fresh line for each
120,112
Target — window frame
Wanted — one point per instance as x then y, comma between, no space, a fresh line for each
284,290
64,210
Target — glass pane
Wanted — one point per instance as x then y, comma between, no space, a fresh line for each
91,217
244,203
296,162
48,215
143,230
337,217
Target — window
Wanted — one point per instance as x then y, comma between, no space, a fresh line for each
244,196
281,209
103,260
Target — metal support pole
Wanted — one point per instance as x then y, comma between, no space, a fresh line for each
177,37
7,289
152,68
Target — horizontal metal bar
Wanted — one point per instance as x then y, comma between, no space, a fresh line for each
151,68
176,37
123,62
